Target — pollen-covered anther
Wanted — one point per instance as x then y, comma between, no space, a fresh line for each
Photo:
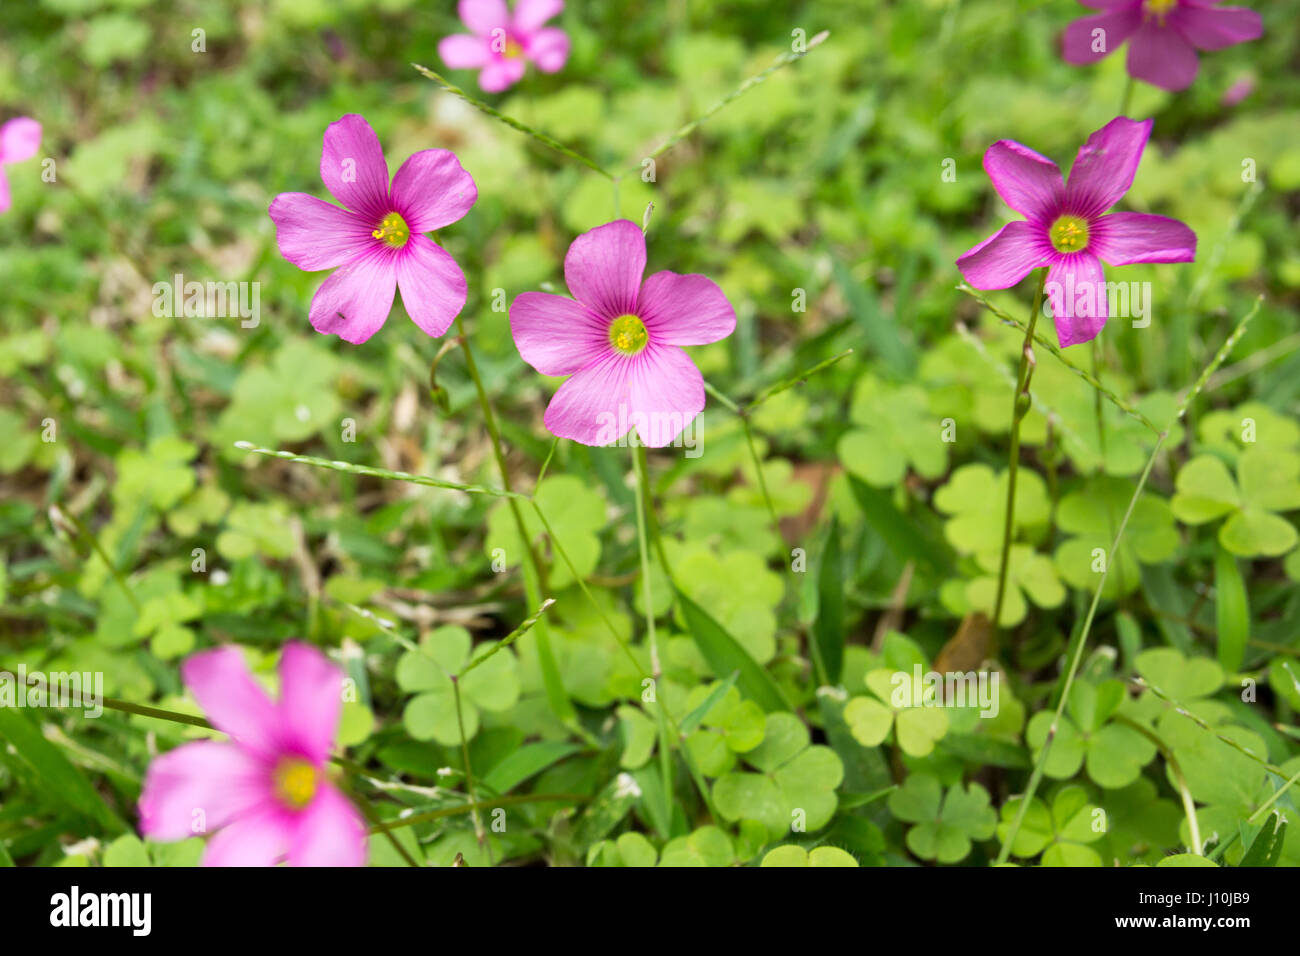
628,334
295,782
392,230
1069,234
1160,8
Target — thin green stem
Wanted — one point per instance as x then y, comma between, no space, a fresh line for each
351,469
639,467
1066,681
1044,342
1020,405
509,801
1184,792
1127,98
479,835
548,141
555,694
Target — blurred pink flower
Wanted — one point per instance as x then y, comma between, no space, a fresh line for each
376,243
1065,227
264,793
1238,91
1163,35
498,43
20,138
619,338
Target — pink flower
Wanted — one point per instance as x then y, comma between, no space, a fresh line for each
620,340
376,242
498,43
265,793
19,140
1165,35
1065,229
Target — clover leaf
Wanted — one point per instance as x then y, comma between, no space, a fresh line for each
630,849
731,726
976,497
253,528
793,855
576,514
288,400
901,703
1115,753
895,430
795,784
1189,682
1267,482
1226,433
945,823
707,846
160,475
738,589
427,672
1060,833
1093,514
1029,574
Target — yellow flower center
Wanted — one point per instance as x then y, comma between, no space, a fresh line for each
1069,234
1160,8
295,782
393,230
513,50
627,334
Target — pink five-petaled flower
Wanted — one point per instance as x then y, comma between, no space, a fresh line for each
265,794
620,340
1065,227
20,138
376,243
1163,35
498,43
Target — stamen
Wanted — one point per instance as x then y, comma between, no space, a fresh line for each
294,780
1069,234
628,334
392,230
1160,9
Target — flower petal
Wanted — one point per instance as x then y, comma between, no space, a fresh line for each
1161,57
1104,168
353,168
355,301
1006,257
432,283
1124,238
329,832
235,704
667,392
1213,28
199,787
1027,182
685,309
1081,40
260,838
432,190
464,51
557,335
585,409
314,234
548,48
20,138
5,199
482,16
501,74
531,14
603,268
311,700
1076,287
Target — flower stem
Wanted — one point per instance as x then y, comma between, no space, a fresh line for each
639,466
479,835
558,700
1075,653
1019,408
